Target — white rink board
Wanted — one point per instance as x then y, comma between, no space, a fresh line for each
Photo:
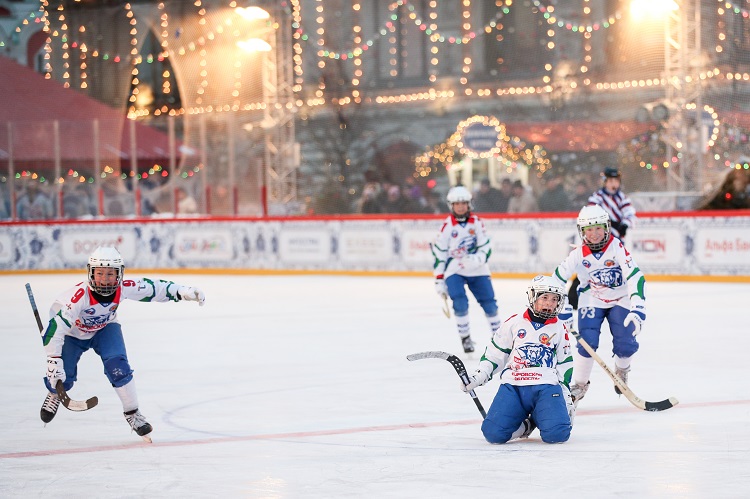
680,245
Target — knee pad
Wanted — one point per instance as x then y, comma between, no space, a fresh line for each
118,371
495,434
583,352
461,306
556,435
627,351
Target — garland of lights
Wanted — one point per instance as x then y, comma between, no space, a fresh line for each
510,151
548,12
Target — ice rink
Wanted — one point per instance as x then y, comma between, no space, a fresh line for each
299,387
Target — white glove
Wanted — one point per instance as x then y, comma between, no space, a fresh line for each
477,379
566,316
189,293
441,288
55,371
636,318
569,403
470,262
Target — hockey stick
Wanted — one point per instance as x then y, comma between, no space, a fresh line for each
446,308
458,365
73,405
619,383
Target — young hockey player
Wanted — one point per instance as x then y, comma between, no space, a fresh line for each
619,208
85,317
612,288
461,250
532,353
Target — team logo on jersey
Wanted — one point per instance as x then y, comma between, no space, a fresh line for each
113,308
533,356
472,232
89,311
609,263
586,264
521,333
454,233
544,339
610,278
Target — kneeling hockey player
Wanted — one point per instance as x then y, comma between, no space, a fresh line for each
531,352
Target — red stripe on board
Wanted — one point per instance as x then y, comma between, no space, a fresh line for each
321,433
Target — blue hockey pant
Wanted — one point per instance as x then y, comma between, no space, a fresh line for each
480,286
590,321
545,404
109,344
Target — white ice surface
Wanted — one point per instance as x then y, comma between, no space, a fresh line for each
298,386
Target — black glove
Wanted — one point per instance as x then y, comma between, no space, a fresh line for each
620,227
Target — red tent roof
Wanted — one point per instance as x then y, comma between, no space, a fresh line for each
583,136
31,104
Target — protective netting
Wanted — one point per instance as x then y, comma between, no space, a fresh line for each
346,106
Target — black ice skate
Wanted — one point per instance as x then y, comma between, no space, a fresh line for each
467,344
530,427
138,424
49,407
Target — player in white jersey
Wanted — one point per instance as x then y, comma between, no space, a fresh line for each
85,317
612,288
619,208
461,250
532,353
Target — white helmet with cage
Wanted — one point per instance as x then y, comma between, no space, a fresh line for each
105,257
459,194
591,216
546,284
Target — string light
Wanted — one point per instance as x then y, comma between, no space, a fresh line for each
65,46
465,48
357,38
512,152
297,46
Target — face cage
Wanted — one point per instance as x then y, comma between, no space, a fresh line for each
601,244
104,290
535,294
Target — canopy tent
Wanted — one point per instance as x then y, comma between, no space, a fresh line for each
579,136
34,110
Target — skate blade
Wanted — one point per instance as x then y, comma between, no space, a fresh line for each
147,439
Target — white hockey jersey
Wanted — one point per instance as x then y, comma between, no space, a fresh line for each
529,353
76,312
609,277
456,240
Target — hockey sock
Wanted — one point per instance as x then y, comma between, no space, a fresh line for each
128,396
582,367
495,322
462,323
622,362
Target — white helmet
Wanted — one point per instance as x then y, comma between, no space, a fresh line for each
546,284
459,194
107,257
593,215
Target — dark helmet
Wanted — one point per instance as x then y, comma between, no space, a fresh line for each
611,172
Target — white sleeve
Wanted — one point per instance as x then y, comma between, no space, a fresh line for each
440,250
144,289
483,239
567,268
496,354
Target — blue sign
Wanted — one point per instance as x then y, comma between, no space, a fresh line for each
480,138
